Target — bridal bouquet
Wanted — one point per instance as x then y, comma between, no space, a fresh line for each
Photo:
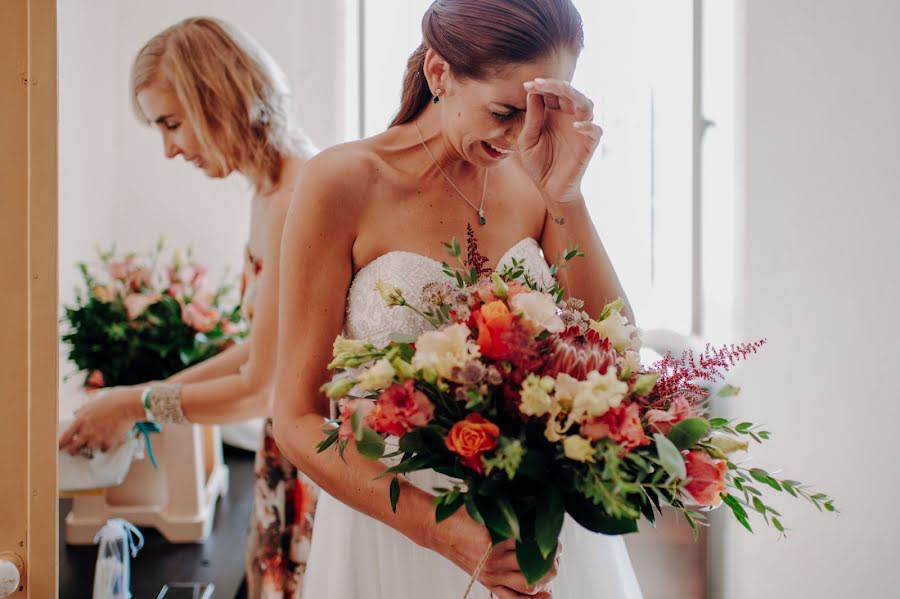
536,410
138,319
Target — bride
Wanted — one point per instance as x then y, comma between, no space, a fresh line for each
491,133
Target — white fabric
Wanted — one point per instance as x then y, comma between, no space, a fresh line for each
355,556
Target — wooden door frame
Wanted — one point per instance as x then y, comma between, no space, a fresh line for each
28,291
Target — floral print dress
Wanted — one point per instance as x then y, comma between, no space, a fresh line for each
284,500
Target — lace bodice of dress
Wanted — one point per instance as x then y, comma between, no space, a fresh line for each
369,317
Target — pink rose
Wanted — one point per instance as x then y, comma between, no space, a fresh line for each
707,477
663,420
402,408
104,293
177,290
621,424
349,408
230,328
140,278
95,380
119,269
200,317
137,303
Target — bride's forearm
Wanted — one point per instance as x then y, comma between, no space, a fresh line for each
591,278
354,482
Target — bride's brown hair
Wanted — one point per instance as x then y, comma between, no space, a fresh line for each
477,37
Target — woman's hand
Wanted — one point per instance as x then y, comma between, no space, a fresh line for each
464,542
104,421
558,138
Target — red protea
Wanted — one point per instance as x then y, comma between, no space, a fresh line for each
576,355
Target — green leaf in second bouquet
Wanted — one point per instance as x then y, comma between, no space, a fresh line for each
669,456
371,445
533,563
687,433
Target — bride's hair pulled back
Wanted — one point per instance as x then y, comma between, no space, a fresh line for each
477,38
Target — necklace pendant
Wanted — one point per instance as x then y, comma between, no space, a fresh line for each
481,219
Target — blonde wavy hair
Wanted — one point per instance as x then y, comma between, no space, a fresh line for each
233,94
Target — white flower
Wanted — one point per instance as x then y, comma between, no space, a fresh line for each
536,400
578,448
629,363
598,394
539,311
342,346
567,388
441,351
378,376
621,335
393,296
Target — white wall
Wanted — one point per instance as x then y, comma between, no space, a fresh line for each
818,148
115,184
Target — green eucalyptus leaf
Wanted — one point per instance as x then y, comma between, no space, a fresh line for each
370,445
671,459
688,433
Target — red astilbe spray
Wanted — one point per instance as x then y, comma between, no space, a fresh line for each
474,258
677,377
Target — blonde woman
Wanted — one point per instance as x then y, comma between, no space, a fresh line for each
220,102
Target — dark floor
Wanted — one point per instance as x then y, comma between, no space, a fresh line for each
219,560
668,562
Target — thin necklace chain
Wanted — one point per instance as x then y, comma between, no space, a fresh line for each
479,209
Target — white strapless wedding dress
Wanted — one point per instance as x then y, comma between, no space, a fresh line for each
354,556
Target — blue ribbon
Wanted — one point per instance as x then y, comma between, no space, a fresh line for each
145,428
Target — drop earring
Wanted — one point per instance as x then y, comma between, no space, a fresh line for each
437,95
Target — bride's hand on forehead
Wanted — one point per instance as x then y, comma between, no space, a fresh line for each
558,138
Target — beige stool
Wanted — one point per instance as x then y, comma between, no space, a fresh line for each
178,499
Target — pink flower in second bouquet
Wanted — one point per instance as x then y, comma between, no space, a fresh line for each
140,278
621,424
95,380
707,477
119,269
200,317
401,408
137,303
367,409
664,420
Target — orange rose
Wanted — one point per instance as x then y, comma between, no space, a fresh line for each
470,438
493,319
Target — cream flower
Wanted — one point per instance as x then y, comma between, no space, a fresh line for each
441,351
378,376
536,400
728,443
539,311
621,335
630,363
578,448
598,394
